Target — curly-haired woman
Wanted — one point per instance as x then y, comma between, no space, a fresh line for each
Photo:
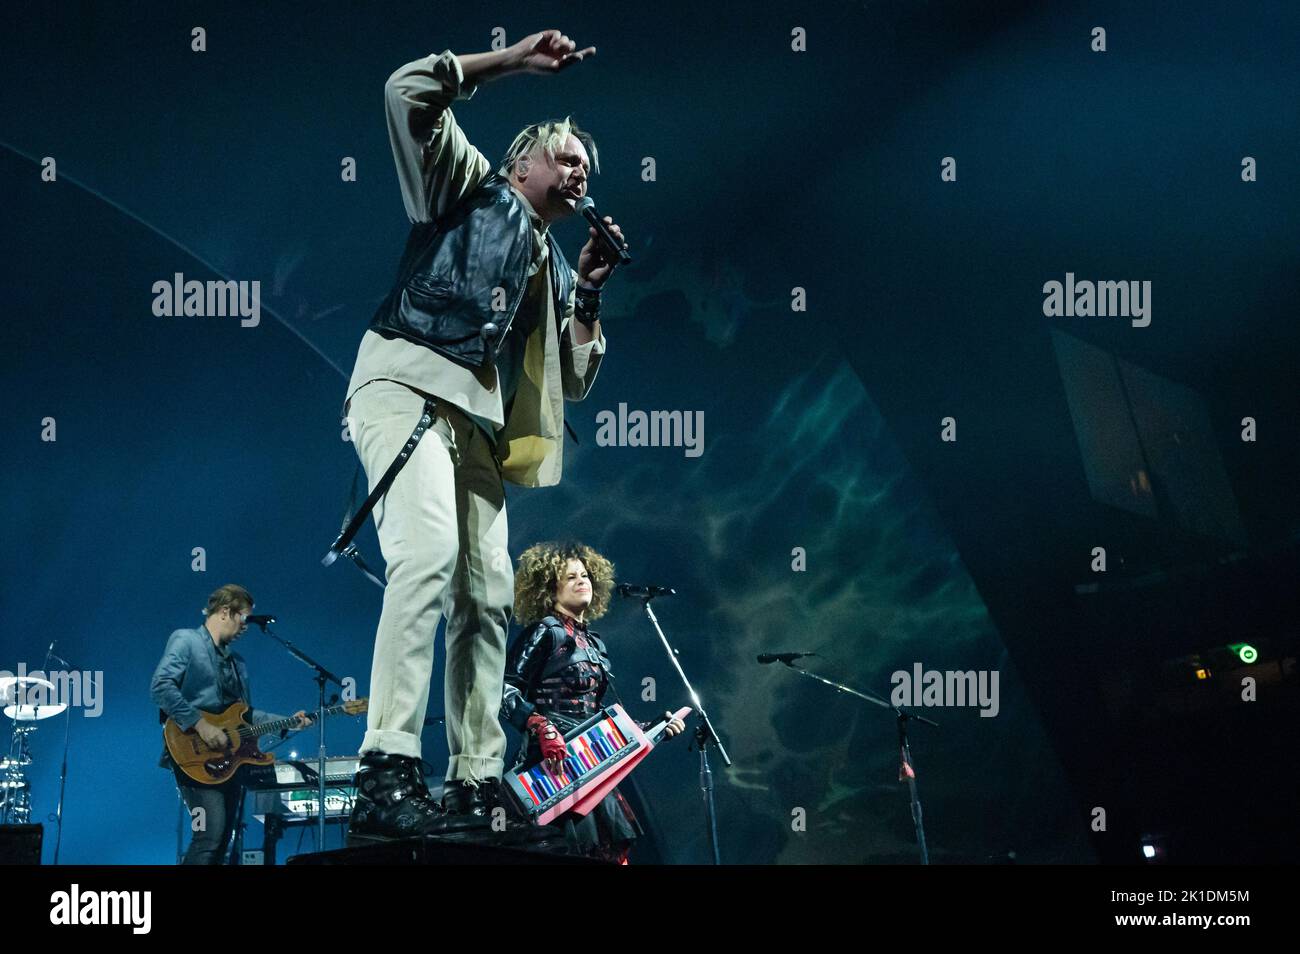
557,672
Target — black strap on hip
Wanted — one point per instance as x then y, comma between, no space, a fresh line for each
343,545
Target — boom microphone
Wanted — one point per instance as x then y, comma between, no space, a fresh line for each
766,658
629,589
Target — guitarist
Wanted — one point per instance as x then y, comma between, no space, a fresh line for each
199,671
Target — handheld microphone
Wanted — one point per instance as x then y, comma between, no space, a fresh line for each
766,658
588,209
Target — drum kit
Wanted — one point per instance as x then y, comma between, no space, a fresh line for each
15,695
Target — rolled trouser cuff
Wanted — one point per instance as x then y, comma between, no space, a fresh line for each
466,768
391,742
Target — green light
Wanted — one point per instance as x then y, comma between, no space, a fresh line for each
1246,653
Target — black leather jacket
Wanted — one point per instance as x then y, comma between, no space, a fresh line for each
542,651
445,290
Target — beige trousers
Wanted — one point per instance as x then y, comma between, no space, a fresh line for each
442,531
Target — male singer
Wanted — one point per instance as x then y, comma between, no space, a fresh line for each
485,333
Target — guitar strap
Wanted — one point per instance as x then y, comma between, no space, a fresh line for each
239,684
352,522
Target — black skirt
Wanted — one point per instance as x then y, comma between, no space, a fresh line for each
606,832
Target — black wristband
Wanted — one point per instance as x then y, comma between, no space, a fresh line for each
586,305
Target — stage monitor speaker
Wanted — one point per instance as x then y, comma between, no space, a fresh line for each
20,844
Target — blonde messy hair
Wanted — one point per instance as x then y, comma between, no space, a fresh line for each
550,137
537,575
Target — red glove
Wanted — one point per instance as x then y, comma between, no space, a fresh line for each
548,737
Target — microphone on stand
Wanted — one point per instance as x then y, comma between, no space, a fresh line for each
52,656
260,621
588,209
766,658
645,592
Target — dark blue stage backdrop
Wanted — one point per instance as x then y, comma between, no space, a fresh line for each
793,231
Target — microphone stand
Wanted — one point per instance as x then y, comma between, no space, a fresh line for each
704,734
63,780
182,813
323,677
905,770
63,771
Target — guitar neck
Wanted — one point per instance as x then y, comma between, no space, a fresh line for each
279,725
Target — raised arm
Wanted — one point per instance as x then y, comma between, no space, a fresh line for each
437,165
547,51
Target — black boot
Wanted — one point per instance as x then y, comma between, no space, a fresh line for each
392,801
467,804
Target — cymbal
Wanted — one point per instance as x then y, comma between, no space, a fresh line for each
17,689
12,687
33,713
